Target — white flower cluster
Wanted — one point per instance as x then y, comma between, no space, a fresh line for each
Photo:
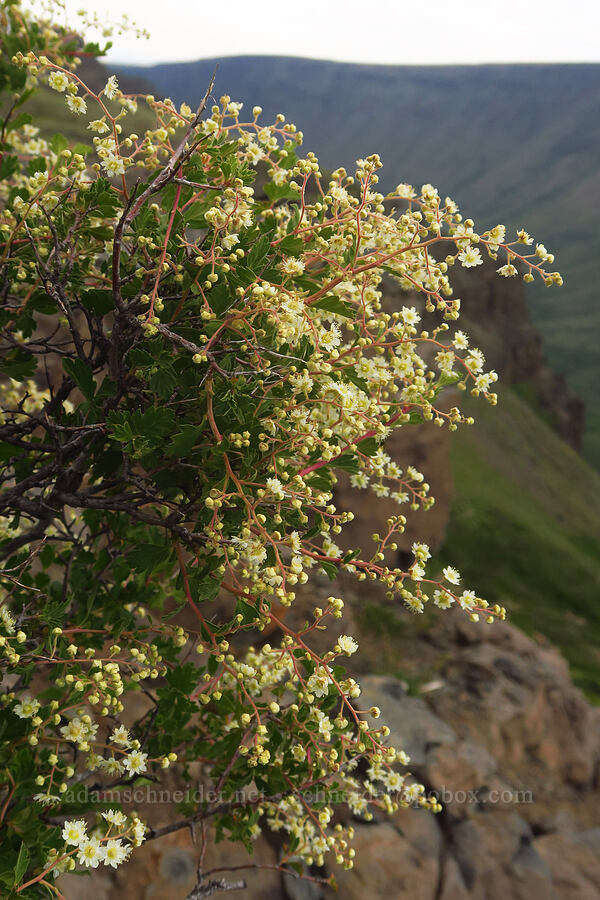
91,850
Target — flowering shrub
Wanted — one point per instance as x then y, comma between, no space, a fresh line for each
187,361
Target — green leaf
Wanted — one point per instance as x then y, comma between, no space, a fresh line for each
212,665
121,427
242,277
207,589
444,380
58,143
147,557
18,364
314,530
368,446
41,302
102,197
351,376
351,554
288,158
220,297
8,166
258,253
280,192
182,443
54,613
156,423
22,864
7,451
163,381
83,149
142,431
335,305
37,164
246,611
184,678
291,245
347,461
194,218
329,568
100,302
82,375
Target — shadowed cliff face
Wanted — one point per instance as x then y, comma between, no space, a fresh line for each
494,311
494,314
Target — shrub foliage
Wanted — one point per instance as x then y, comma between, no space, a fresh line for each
193,343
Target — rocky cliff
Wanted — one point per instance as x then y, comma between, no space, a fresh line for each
495,313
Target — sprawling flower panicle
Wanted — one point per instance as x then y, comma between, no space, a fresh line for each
220,346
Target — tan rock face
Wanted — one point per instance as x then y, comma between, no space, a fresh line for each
497,858
514,698
573,863
399,865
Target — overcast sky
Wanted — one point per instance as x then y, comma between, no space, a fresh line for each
384,31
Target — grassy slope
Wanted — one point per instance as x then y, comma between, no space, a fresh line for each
525,529
516,144
51,115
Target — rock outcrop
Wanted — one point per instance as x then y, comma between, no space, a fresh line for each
512,749
503,738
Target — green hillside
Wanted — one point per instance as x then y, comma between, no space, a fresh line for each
517,144
50,114
525,526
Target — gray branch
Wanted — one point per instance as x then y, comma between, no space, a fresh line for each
211,887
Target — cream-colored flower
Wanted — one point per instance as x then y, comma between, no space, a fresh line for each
114,853
76,104
347,644
111,88
75,832
470,257
27,708
135,762
90,853
113,165
58,81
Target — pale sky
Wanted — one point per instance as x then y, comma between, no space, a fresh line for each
374,31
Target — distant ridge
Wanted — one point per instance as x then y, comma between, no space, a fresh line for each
518,144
